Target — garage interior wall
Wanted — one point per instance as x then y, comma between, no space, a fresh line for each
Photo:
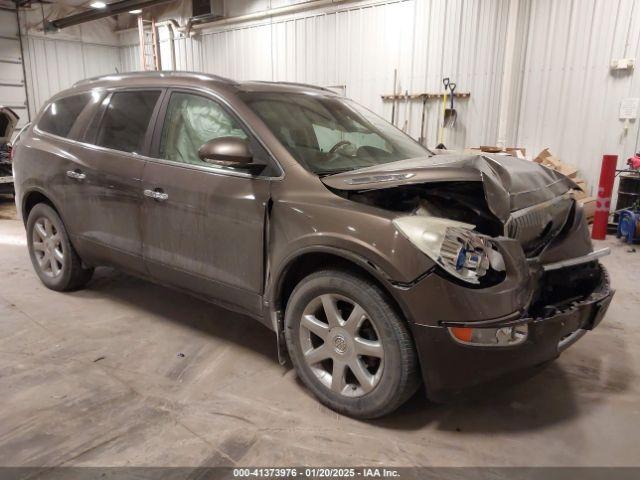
538,70
55,61
355,48
12,86
569,98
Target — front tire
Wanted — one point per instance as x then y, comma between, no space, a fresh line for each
52,255
349,345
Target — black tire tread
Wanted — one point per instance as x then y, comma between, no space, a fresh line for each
78,276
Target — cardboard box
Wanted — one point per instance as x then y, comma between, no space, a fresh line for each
542,156
589,206
517,152
550,161
491,149
584,190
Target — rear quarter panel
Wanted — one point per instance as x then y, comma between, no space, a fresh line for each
37,164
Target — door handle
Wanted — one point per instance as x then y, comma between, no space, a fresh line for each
76,174
156,195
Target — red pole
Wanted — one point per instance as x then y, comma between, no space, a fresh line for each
603,205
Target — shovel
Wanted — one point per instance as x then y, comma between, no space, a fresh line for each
450,114
445,82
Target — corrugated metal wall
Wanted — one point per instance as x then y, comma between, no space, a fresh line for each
563,94
570,99
358,46
12,88
54,64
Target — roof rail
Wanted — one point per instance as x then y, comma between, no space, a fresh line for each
298,84
173,73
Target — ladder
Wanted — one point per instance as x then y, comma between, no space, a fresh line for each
149,58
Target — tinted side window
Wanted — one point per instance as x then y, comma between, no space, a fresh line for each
61,114
126,119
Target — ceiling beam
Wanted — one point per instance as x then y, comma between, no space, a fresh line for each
111,9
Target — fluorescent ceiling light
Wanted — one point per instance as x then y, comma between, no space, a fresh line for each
98,5
136,11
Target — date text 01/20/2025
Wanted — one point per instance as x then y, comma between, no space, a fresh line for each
310,472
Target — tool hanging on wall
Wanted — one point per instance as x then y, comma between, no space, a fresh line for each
423,122
405,126
393,105
450,114
441,126
424,98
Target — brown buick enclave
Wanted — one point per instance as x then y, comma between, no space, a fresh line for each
379,264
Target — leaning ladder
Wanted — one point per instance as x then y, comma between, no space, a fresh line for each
149,58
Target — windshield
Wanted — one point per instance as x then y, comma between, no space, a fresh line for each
328,134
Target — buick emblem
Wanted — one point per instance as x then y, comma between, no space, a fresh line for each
340,344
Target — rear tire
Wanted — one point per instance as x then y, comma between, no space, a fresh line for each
52,255
349,345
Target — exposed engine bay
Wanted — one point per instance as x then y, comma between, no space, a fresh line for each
458,208
461,201
465,202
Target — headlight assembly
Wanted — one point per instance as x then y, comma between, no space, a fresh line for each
453,245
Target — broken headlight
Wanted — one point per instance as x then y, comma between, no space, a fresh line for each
453,245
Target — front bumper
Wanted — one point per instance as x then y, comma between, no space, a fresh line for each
449,366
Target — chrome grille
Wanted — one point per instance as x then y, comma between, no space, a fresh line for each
536,226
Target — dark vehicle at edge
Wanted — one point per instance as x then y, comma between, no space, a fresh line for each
379,264
8,121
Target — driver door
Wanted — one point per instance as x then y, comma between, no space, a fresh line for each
203,224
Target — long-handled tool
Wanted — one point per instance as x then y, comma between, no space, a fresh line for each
405,126
393,105
450,114
445,82
423,122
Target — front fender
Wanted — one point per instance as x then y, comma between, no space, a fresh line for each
366,232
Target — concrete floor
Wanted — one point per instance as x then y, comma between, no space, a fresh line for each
95,378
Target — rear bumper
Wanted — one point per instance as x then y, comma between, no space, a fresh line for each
449,366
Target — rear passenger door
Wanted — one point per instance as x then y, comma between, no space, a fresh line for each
57,153
105,188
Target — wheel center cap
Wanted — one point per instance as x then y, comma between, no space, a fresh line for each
339,344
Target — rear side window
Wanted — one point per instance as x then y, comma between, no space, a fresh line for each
126,120
60,115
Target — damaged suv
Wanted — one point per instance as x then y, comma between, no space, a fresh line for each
379,264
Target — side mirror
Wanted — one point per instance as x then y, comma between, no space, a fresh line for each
230,151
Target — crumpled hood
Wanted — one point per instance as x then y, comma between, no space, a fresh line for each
509,183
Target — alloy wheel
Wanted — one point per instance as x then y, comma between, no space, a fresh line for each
341,345
47,247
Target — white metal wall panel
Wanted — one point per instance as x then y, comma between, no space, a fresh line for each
563,95
53,65
12,89
570,98
358,46
100,60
